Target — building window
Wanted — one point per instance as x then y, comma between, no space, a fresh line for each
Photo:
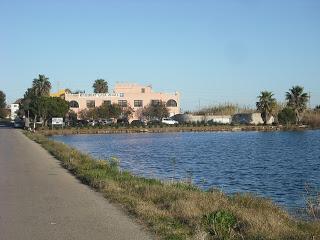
137,103
74,104
122,103
171,103
155,102
143,90
91,104
121,94
107,102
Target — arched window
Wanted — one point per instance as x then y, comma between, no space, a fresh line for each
74,104
171,103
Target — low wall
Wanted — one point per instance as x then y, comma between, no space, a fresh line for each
187,118
240,118
250,118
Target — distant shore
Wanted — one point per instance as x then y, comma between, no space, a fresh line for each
164,129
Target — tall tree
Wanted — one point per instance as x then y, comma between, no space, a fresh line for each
155,111
2,99
297,100
47,107
100,86
266,105
41,86
2,104
67,90
57,107
109,111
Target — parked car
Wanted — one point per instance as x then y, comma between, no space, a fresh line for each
123,121
154,122
82,123
169,121
18,124
106,121
92,123
138,123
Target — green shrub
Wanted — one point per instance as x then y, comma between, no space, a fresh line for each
114,163
221,224
287,116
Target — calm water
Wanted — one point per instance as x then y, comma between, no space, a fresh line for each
275,165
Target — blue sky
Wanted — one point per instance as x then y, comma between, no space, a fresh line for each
210,51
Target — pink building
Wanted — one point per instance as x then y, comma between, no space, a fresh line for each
125,94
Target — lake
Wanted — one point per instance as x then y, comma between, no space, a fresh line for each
275,165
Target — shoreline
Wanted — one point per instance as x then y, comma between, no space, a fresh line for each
179,210
167,129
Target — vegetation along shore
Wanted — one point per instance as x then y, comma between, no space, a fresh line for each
39,107
179,210
196,127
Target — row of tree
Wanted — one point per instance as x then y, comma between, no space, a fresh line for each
296,104
106,110
38,105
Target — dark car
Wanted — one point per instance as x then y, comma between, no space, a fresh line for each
154,122
123,121
138,123
82,123
18,124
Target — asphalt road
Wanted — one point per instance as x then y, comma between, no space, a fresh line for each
39,200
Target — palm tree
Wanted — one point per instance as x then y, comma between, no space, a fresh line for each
41,86
266,105
100,86
297,100
67,90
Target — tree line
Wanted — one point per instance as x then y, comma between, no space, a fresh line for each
153,111
38,105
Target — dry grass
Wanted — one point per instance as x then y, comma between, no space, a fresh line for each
224,109
181,211
312,118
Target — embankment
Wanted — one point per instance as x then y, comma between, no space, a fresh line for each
179,210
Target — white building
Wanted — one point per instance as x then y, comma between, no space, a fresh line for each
14,111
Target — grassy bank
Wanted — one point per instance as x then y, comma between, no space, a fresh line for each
181,211
164,128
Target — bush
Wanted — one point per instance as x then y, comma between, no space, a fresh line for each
221,224
287,116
